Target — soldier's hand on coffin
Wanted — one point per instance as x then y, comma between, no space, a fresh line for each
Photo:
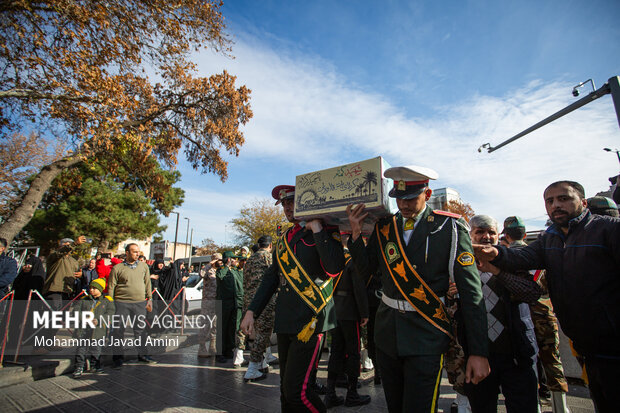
477,369
485,252
316,225
356,217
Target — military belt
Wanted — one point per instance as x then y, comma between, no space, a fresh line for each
400,305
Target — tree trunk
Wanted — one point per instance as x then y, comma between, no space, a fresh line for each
102,246
32,198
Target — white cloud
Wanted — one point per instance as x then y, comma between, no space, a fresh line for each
302,106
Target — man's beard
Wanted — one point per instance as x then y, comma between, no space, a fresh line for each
564,219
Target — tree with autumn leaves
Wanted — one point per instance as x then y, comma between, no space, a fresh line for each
259,217
458,207
75,71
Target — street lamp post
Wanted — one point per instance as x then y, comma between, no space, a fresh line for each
186,234
191,240
613,150
176,232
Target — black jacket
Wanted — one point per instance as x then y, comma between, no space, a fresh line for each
583,277
350,295
8,272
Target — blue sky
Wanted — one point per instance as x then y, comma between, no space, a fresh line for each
421,83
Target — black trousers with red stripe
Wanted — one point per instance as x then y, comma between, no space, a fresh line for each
297,360
344,354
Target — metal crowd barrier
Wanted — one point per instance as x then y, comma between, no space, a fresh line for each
182,290
11,295
24,320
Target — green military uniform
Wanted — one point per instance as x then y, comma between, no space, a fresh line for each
230,293
314,252
415,335
321,256
409,348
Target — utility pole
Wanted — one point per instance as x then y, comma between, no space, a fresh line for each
612,87
176,232
191,240
186,234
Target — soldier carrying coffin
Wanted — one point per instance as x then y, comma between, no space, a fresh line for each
415,251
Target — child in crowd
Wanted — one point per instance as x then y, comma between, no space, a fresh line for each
102,306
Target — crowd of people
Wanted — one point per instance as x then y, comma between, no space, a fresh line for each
432,291
451,296
59,282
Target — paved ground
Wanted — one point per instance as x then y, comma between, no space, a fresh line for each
183,383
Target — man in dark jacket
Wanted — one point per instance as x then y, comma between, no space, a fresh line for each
8,272
8,269
581,253
89,273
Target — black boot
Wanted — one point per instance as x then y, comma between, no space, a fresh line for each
331,398
353,397
318,387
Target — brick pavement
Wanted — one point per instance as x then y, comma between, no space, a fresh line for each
183,383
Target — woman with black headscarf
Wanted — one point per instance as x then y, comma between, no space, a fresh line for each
31,277
157,270
170,283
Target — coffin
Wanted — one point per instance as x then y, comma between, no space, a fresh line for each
325,194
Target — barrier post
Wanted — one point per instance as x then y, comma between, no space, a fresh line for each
183,311
8,323
23,327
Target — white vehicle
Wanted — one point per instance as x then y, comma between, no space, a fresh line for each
193,293
193,287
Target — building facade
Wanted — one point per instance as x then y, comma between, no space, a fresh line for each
443,195
165,250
